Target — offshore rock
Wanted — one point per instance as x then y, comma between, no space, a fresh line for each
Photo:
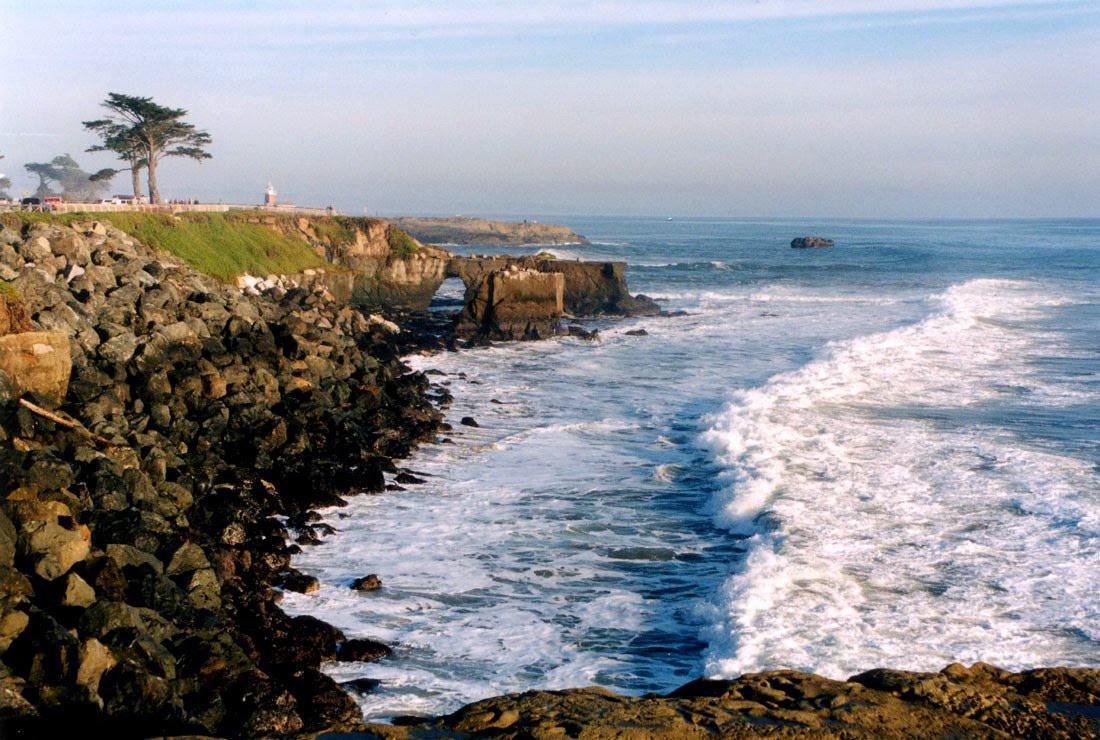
811,242
590,288
514,303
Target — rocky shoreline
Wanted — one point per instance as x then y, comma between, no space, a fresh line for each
146,514
157,485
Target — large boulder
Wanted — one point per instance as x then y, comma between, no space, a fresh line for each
37,362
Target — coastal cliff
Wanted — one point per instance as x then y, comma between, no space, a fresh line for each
466,230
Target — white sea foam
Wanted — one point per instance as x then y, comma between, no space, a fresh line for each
887,524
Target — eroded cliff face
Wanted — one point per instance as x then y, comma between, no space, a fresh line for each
390,268
381,264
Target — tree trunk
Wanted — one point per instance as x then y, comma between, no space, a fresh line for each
154,193
135,177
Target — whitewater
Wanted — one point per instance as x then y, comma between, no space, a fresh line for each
883,454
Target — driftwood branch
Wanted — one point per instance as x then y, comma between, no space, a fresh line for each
62,421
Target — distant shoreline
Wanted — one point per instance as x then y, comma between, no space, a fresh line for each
465,230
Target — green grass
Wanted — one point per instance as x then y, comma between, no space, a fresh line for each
7,290
401,243
224,245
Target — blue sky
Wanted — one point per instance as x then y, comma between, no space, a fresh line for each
894,108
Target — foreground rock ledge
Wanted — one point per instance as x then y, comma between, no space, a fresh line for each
958,702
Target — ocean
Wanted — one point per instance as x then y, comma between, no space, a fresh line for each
885,453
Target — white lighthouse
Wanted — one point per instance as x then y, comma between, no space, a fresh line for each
269,195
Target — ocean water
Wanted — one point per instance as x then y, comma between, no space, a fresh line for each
886,453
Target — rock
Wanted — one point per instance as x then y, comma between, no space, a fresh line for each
37,362
369,582
94,659
77,592
581,333
468,421
977,702
637,333
119,349
301,583
362,685
12,624
811,242
589,288
188,558
513,303
361,650
13,314
55,545
408,479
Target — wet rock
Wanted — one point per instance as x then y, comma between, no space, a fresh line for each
369,582
361,650
581,333
468,421
301,583
637,333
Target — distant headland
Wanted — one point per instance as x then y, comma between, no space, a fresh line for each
469,230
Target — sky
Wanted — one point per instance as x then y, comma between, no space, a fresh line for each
827,108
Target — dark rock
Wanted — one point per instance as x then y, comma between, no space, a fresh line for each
582,333
469,421
637,333
369,582
811,242
362,685
361,650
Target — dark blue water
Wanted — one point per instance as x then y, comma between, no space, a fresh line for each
883,453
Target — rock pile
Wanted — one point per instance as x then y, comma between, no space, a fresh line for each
141,538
